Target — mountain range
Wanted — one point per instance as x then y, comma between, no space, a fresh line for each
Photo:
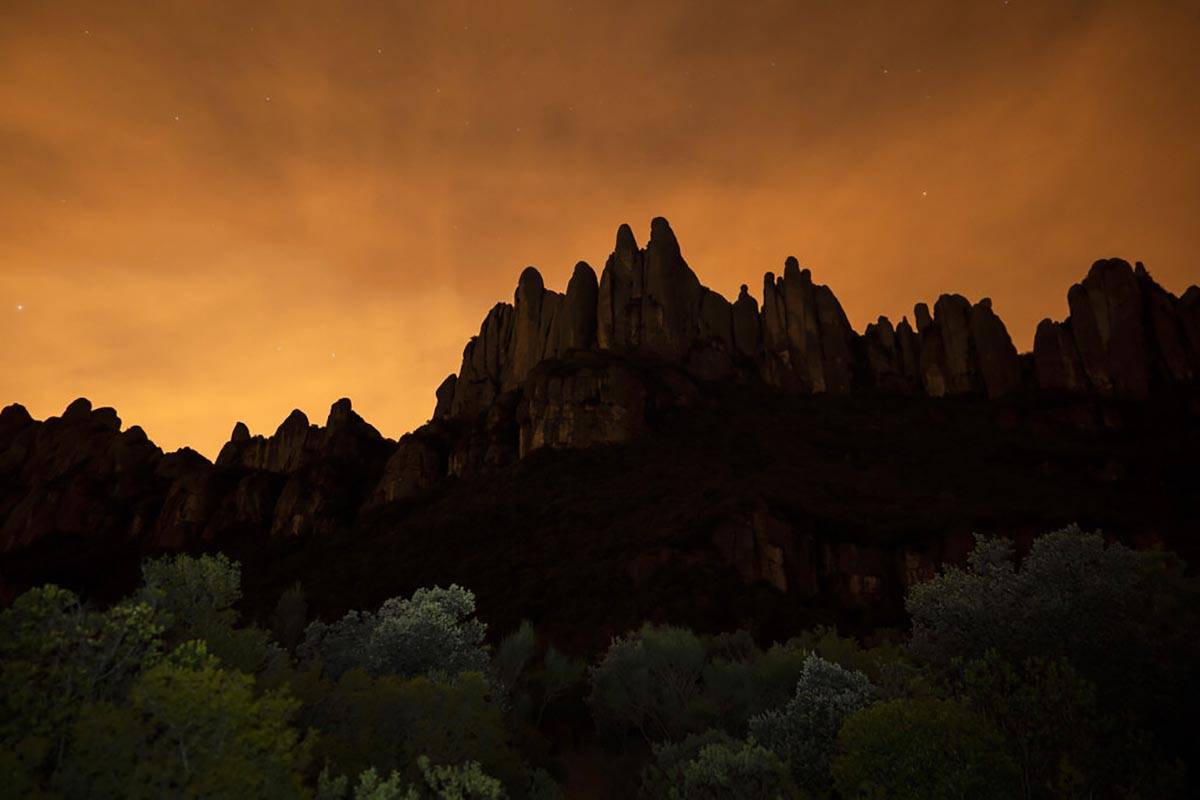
639,447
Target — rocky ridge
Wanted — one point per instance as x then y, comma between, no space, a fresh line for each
554,370
602,363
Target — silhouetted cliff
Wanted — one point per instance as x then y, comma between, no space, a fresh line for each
775,449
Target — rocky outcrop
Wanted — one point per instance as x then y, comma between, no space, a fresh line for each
77,474
419,461
1125,335
81,475
597,398
807,340
605,362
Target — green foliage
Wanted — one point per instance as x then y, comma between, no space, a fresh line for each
289,617
433,633
1063,745
513,654
466,781
372,787
194,592
665,770
195,595
540,786
647,682
56,656
200,731
1123,619
804,732
560,673
738,688
922,750
386,722
739,771
1072,596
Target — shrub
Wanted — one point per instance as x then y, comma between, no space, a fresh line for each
289,617
1072,597
512,656
465,781
737,689
560,673
1061,743
647,682
195,596
194,729
55,657
387,722
1124,619
433,633
740,771
922,750
804,732
665,771
194,592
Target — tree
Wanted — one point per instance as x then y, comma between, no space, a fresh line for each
386,722
289,617
1124,620
647,682
739,771
433,633
804,732
512,656
748,684
194,592
55,657
922,750
195,596
190,728
559,674
665,770
466,781
1063,746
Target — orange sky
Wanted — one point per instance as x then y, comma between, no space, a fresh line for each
201,203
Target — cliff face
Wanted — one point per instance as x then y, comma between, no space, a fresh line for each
614,360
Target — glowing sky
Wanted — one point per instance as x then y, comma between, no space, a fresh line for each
212,211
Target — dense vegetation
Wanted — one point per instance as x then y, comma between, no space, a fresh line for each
1064,674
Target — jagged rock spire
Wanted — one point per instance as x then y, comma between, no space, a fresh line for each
1124,335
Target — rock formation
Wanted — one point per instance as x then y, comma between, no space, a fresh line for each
1126,336
602,363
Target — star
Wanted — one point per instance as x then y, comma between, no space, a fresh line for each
333,355
177,118
924,194
20,307
268,99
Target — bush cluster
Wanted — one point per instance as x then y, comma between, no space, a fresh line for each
1060,675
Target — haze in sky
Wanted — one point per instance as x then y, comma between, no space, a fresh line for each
221,211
